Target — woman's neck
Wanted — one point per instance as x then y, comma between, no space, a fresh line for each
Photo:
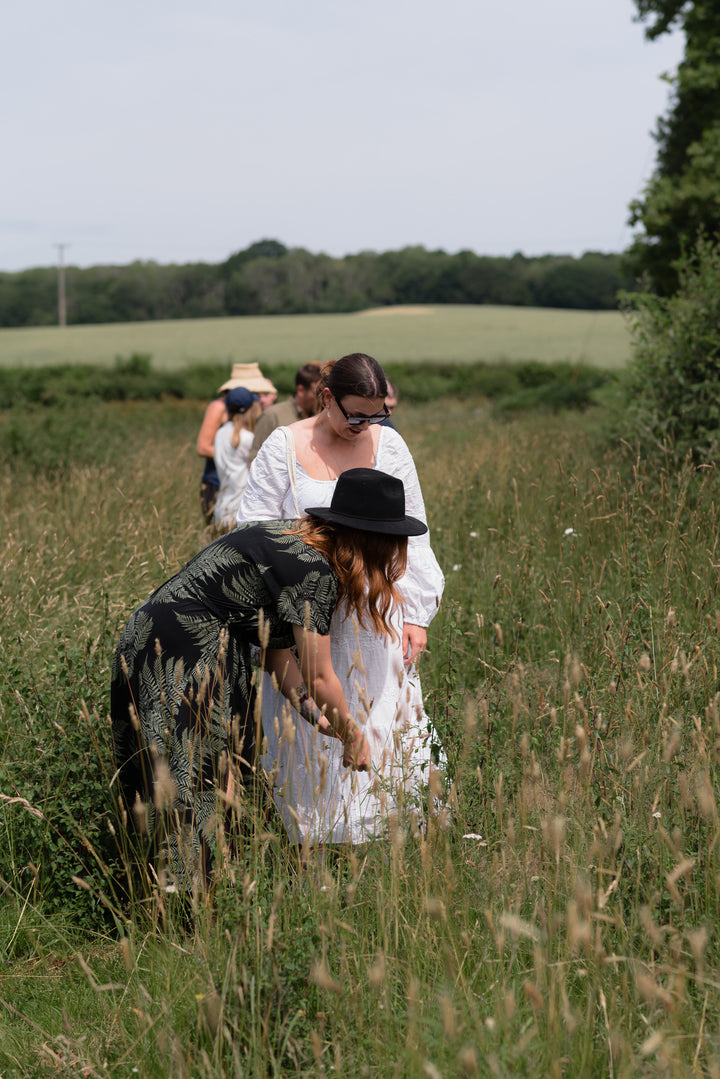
324,454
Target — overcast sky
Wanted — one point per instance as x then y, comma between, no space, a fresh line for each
184,130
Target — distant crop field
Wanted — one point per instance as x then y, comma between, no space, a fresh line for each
465,334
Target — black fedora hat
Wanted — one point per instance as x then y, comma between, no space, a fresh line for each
372,501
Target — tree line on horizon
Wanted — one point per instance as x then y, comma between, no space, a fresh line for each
268,278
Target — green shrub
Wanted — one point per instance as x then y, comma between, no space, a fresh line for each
510,384
554,391
133,379
674,373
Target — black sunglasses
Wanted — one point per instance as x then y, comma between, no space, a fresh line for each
355,421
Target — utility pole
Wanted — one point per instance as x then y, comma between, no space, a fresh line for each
62,308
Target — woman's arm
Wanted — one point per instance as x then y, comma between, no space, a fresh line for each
281,662
317,672
423,583
268,482
215,416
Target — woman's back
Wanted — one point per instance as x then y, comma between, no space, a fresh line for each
232,464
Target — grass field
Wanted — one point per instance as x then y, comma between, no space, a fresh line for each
446,334
564,922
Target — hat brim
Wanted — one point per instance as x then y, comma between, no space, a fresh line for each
255,385
403,526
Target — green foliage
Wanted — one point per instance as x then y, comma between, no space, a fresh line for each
674,377
512,386
29,298
590,283
666,13
269,278
682,199
130,379
143,290
259,249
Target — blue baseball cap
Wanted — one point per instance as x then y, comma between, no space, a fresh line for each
239,399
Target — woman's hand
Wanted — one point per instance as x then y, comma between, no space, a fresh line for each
356,750
312,714
323,725
324,685
414,642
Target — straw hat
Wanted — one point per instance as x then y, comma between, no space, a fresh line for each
250,376
372,501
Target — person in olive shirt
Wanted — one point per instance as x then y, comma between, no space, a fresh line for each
299,407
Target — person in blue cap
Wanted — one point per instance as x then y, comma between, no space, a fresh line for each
231,453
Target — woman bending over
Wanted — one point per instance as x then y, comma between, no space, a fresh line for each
182,696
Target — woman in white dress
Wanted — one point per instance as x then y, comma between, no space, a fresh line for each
231,452
298,466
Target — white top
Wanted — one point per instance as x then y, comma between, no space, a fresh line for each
268,496
232,464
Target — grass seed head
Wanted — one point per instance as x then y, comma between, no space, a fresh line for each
164,786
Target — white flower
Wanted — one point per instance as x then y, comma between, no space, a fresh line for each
473,535
657,815
475,835
457,566
569,532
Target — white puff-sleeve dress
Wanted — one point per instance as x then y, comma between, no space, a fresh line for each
320,800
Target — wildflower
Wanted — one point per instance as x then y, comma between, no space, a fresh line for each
569,532
473,535
457,566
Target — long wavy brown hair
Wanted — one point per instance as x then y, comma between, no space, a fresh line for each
367,565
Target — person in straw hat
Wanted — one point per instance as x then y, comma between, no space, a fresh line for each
245,375
182,693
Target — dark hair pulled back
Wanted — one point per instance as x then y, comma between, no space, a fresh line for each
355,375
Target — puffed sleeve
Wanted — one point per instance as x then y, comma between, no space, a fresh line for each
423,583
268,488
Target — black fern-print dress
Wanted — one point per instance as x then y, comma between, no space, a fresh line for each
181,694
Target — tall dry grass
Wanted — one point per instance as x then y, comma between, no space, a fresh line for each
564,921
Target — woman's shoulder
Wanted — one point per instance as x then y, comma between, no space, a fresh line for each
391,446
281,539
274,446
300,429
223,433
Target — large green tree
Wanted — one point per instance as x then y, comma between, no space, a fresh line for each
682,199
